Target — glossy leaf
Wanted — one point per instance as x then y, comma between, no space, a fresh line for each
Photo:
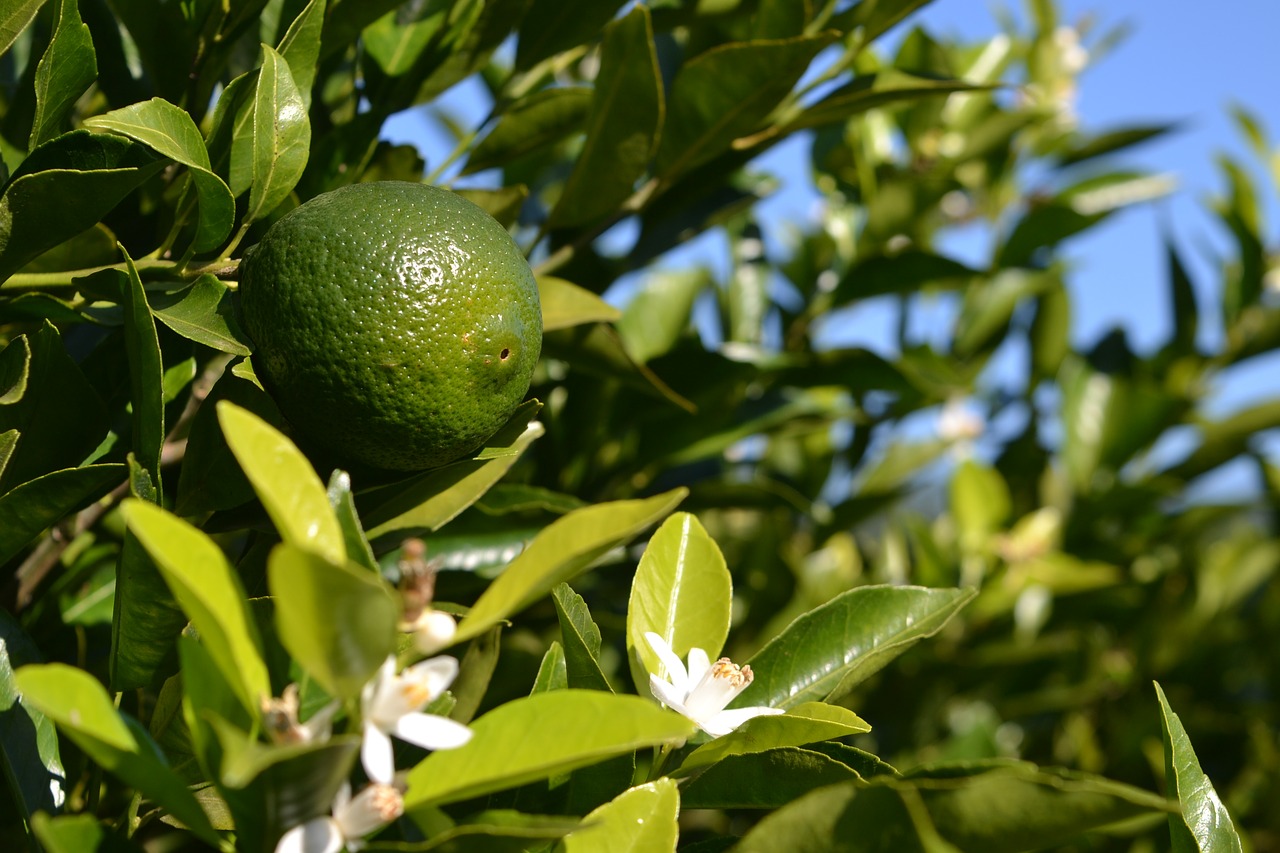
14,18
560,552
300,47
499,831
682,592
565,304
395,43
622,126
27,510
63,188
533,123
146,621
553,672
285,482
581,638
336,621
344,507
281,137
209,591
85,714
1202,823
204,313
538,736
170,131
725,93
807,723
654,320
67,68
430,500
642,818
869,91
146,375
831,649
763,780
28,743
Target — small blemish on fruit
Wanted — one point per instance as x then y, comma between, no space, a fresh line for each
505,354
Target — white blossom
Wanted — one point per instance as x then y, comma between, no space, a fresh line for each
352,820
702,691
392,704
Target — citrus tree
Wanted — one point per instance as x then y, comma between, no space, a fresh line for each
719,582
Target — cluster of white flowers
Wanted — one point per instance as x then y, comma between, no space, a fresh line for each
390,704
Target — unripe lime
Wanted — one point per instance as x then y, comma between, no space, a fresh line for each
395,324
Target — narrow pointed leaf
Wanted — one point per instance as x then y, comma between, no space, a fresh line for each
281,136
300,47
871,91
726,93
555,25
581,637
641,819
560,552
553,672
682,592
209,591
84,712
285,482
531,124
806,723
336,621
1202,824
68,67
344,507
539,736
831,649
622,127
29,509
203,313
14,18
170,131
146,621
146,375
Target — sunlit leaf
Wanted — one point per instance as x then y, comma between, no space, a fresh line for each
642,818
67,68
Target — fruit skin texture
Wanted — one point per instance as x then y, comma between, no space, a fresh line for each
396,324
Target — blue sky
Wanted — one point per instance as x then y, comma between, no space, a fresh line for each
1181,62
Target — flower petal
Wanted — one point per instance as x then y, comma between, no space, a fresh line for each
431,732
318,835
436,674
666,693
675,669
384,677
699,663
377,756
726,721
369,811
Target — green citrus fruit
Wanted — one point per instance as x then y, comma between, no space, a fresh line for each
395,324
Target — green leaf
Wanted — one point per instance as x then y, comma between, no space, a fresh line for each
560,552
84,712
285,482
344,507
77,834
396,43
553,672
8,441
980,502
539,736
870,91
806,723
1110,142
204,313
64,187
655,319
906,272
300,47
530,124
640,819
146,375
1202,824
67,68
170,131
209,591
622,127
682,592
430,500
499,831
28,743
565,304
555,25
831,649
726,93
581,638
146,620
1182,302
875,17
763,780
337,622
14,18
280,140
29,509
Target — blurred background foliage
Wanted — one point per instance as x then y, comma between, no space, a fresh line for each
987,451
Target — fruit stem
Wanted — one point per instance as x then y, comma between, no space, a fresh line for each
39,282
